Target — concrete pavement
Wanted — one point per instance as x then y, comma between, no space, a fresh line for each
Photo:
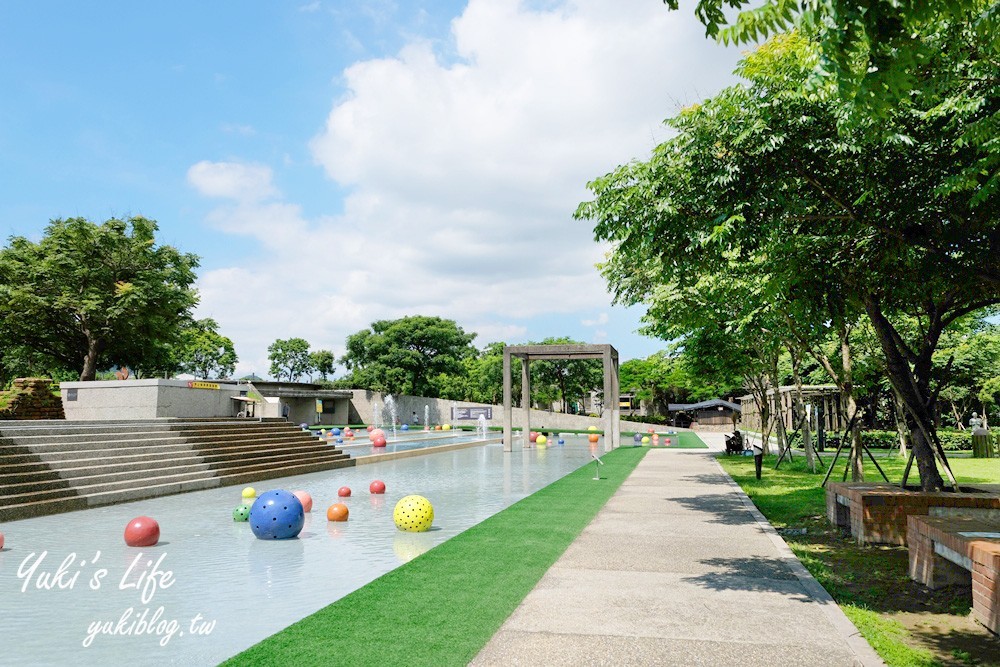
678,568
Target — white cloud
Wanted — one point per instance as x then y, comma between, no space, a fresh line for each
463,175
232,180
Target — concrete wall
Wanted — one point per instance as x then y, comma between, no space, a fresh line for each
440,413
145,399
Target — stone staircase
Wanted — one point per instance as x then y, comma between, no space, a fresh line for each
59,466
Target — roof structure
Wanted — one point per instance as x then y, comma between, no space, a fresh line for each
713,403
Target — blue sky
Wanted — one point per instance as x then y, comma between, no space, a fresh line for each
333,163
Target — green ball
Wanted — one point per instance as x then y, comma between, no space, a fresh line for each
241,513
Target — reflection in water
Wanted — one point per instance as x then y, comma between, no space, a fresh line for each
408,546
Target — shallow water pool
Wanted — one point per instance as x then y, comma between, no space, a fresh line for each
71,592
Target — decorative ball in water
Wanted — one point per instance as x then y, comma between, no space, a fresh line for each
593,437
1,540
445,427
413,514
369,428
241,513
337,512
645,439
340,441
561,441
541,440
335,431
404,427
438,427
637,437
277,515
378,486
378,442
667,442
249,493
349,433
305,499
591,428
142,531
344,492
533,437
650,430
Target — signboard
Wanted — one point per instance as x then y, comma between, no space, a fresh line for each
319,406
198,384
71,394
470,413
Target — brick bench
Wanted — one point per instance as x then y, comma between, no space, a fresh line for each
877,513
947,550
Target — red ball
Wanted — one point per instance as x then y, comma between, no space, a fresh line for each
532,436
142,531
378,486
369,428
376,434
305,499
344,491
378,442
1,534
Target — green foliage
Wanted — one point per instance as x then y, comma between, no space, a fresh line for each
88,296
323,362
203,352
290,358
565,379
407,355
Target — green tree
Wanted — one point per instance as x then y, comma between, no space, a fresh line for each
484,375
323,362
289,358
835,220
204,352
407,355
565,379
90,296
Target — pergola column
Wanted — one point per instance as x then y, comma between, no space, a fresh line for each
508,410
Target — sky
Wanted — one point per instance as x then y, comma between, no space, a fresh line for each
333,163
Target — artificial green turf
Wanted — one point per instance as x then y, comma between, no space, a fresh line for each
442,607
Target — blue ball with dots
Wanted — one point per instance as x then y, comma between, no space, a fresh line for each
277,515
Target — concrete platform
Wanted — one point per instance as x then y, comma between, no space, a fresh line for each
678,568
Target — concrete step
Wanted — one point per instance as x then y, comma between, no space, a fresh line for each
151,443
88,469
77,501
87,485
60,428
100,436
23,464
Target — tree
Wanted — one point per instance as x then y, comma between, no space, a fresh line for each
323,362
407,355
289,358
764,176
204,352
565,378
484,375
91,296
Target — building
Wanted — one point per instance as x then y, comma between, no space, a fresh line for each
823,401
712,415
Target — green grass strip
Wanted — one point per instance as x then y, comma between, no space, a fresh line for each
442,607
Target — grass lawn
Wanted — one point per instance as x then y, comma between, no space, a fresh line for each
906,623
442,607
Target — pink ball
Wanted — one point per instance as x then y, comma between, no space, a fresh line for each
378,442
377,433
369,428
344,491
378,486
532,436
142,531
1,534
305,499
349,433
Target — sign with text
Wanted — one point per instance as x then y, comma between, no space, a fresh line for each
198,384
470,413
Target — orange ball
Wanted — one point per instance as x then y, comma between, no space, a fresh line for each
337,512
593,437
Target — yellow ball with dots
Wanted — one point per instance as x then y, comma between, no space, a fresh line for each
413,514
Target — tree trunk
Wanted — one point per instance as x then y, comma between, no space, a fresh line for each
94,348
903,432
800,410
779,412
912,387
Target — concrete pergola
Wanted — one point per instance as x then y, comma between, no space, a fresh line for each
529,353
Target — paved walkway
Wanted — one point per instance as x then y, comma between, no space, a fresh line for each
678,568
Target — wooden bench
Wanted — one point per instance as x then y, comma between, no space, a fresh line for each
877,513
947,550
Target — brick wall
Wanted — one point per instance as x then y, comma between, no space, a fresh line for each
32,398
